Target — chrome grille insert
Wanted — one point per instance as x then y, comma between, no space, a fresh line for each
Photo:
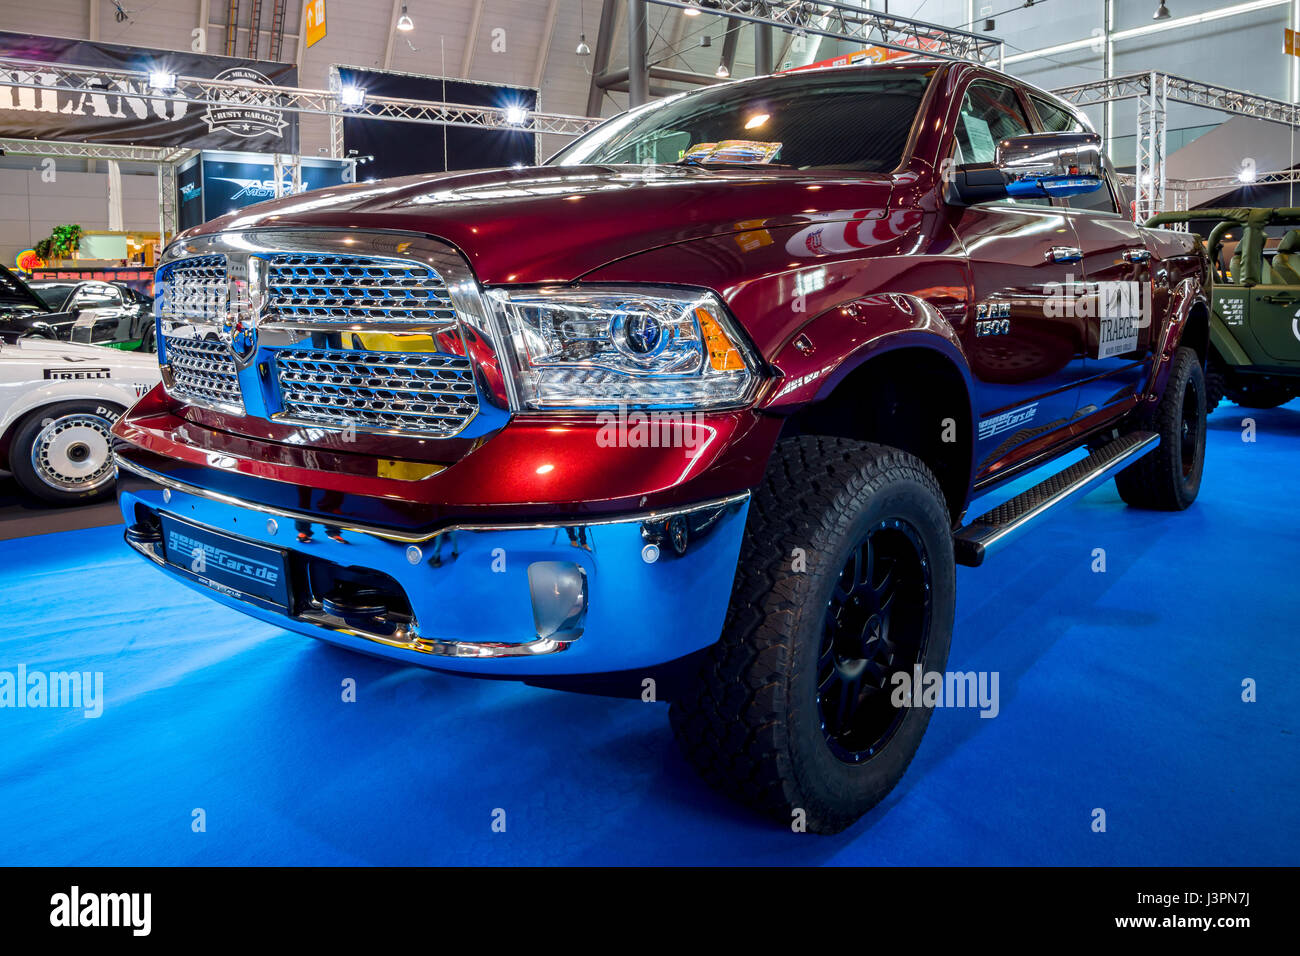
193,290
428,394
322,289
203,370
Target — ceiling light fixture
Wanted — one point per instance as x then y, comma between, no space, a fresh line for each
352,97
583,49
404,22
722,72
1162,12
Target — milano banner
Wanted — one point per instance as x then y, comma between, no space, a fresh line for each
113,111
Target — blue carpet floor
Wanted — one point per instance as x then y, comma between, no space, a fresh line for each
1119,690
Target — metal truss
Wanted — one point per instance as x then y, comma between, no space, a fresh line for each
1154,90
128,154
1179,191
168,212
1152,116
841,21
1181,90
131,89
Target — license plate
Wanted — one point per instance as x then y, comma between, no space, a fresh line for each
230,565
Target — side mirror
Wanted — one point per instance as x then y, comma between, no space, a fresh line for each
1034,165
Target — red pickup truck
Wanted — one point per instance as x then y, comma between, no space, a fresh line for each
698,406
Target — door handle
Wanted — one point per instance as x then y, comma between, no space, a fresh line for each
1137,255
1279,299
1064,254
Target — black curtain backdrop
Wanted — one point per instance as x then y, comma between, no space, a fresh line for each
400,149
112,114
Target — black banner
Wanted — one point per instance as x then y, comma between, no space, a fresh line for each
119,114
927,909
400,148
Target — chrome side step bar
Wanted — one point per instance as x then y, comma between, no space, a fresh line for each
1000,526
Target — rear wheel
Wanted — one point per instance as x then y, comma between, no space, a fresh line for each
1262,395
62,453
1216,386
1169,478
845,581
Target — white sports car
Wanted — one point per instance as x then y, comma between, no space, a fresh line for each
57,403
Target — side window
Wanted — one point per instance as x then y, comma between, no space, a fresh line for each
1057,120
990,112
94,297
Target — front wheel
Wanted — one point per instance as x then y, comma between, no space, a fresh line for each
845,587
62,453
1169,478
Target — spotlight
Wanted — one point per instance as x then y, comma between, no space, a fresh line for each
1162,12
352,97
404,22
158,80
691,12
516,115
722,72
1247,175
583,49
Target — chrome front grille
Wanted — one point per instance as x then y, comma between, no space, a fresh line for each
193,290
326,330
203,370
322,289
427,394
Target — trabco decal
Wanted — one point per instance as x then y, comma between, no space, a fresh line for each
77,374
247,114
832,233
1007,421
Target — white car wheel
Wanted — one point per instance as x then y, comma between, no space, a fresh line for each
73,453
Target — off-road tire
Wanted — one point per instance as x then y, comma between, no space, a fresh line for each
752,720
1216,386
58,435
1169,478
1260,396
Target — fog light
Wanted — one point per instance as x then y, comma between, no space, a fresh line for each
559,593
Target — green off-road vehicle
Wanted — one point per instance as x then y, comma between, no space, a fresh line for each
1255,326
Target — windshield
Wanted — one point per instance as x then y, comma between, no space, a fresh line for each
53,294
13,291
852,120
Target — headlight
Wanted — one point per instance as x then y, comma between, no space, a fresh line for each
604,347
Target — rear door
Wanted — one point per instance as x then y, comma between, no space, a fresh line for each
1024,343
1116,301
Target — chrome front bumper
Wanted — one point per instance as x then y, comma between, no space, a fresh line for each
512,600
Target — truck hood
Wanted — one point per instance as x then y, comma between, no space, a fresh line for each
556,223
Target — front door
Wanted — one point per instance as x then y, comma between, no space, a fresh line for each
1024,342
1275,320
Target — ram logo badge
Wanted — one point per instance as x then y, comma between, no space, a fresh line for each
992,318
